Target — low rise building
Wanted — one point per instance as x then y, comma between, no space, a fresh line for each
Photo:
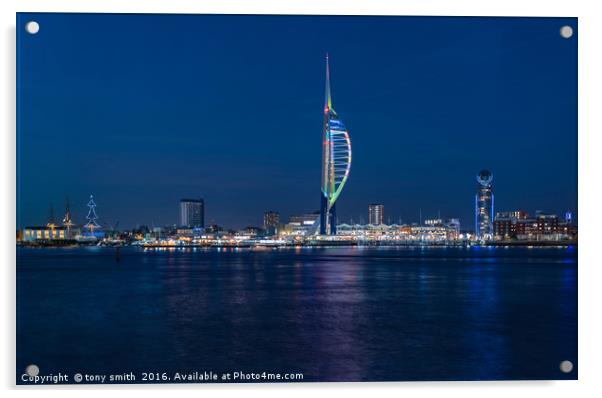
518,225
45,233
301,225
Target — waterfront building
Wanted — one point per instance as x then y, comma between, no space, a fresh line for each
51,232
192,213
376,214
249,232
426,233
271,219
484,206
450,226
518,225
398,234
336,162
190,232
301,225
44,233
453,228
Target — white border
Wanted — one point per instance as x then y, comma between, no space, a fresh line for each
590,130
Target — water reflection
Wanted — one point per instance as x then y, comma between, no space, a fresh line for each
331,313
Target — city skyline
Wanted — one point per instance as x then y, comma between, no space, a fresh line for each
423,120
374,212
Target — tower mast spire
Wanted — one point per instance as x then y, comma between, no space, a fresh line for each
327,100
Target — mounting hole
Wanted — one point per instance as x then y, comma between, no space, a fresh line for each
32,27
566,366
32,370
566,32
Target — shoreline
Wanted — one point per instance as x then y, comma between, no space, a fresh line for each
310,245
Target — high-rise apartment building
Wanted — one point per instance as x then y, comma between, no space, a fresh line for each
271,219
484,206
192,213
376,214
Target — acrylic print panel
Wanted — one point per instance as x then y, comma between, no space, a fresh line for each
219,198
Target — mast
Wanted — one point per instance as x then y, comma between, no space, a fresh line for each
67,222
327,99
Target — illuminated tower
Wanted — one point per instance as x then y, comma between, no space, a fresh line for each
336,162
91,225
484,206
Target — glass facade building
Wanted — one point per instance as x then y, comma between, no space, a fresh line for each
271,219
376,214
192,213
484,206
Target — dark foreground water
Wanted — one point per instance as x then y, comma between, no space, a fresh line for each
333,314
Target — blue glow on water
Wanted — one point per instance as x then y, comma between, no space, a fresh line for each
335,314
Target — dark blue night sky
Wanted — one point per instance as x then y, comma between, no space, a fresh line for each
142,110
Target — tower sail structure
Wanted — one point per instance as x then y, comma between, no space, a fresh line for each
336,161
